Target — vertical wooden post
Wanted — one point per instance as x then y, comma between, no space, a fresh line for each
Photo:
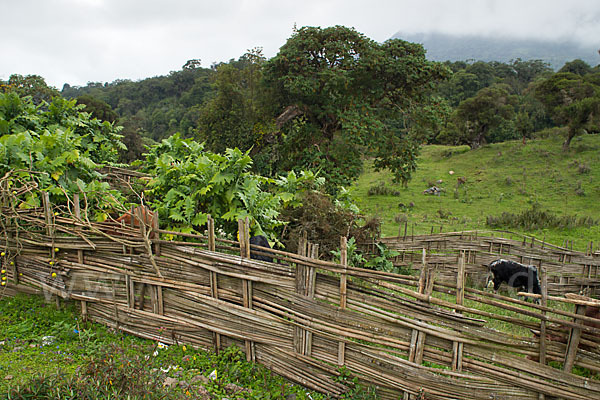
49,221
300,281
423,275
420,344
154,235
153,298
457,347
247,298
417,340
159,300
310,292
130,289
49,218
84,311
574,339
244,229
142,296
211,234
244,232
114,301
460,279
80,258
544,303
214,282
343,293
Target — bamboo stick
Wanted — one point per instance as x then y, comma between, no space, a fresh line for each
343,293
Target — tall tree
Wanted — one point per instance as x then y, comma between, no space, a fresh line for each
347,93
476,117
98,108
31,85
576,66
571,100
235,116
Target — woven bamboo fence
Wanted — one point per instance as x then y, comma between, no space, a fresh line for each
412,337
568,271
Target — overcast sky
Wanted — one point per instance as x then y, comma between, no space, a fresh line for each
80,41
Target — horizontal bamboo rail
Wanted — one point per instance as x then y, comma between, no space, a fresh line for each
303,317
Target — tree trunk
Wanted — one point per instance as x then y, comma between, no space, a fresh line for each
479,140
567,142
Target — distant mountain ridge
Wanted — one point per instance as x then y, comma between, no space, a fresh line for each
445,47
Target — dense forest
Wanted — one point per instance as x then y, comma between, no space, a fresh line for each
332,96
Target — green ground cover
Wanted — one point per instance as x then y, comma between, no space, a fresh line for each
49,353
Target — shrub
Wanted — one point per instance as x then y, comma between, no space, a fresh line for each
536,218
323,221
401,218
382,190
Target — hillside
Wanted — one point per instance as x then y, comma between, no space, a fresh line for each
443,47
503,177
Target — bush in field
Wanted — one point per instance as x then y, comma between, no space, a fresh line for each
536,218
57,148
382,190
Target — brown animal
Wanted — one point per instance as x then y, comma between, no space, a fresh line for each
129,219
147,216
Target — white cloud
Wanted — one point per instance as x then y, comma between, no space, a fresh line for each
77,41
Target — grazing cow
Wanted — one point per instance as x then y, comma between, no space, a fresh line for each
514,274
259,240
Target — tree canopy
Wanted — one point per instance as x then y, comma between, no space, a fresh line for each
571,99
351,94
477,116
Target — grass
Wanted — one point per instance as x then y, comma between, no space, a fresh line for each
499,178
49,353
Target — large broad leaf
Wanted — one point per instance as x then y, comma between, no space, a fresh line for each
200,219
176,216
203,191
222,177
231,215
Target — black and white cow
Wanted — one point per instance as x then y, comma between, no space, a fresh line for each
261,241
514,274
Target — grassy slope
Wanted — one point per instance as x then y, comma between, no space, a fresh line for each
500,177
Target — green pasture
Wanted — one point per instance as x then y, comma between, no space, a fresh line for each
509,177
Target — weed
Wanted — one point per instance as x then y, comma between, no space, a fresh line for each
356,391
444,214
581,167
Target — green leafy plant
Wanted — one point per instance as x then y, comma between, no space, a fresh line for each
356,390
355,258
191,183
57,148
382,261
